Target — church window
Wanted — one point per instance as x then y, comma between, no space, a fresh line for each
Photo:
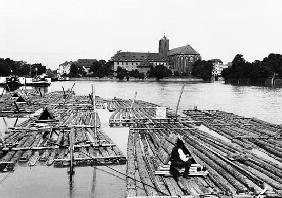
122,63
117,63
126,63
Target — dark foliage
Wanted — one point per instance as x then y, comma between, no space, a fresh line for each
20,68
136,74
77,71
121,73
159,72
241,69
202,69
101,69
52,73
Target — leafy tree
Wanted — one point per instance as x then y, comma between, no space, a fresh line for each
141,76
256,71
5,67
134,73
159,72
101,68
51,73
73,70
121,73
95,67
8,67
273,63
37,69
202,69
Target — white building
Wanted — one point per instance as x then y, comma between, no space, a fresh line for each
64,68
218,66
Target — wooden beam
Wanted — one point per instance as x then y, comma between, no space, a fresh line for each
88,158
55,147
160,128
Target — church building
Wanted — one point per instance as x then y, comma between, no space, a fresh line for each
178,59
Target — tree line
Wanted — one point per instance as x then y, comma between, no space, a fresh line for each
99,69
104,68
256,71
20,68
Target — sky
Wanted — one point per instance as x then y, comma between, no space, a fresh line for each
55,31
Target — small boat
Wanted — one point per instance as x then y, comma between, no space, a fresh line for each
63,78
39,81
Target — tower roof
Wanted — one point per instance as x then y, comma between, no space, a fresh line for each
187,49
164,38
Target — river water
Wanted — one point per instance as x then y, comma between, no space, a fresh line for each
250,101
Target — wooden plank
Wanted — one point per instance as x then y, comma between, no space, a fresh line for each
88,158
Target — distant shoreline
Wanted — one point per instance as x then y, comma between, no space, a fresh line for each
137,80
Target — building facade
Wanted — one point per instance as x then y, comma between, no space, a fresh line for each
64,68
218,66
181,59
178,59
138,60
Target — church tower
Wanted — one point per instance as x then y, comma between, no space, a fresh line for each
163,46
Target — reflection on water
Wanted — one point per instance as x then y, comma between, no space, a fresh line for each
261,102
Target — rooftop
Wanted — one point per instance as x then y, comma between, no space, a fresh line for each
138,56
187,49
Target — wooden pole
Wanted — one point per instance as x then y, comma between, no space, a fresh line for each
94,107
71,152
179,99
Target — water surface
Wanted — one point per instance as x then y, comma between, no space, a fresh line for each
261,102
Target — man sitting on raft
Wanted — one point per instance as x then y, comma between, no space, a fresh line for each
180,158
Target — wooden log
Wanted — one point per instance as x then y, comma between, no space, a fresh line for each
131,169
142,169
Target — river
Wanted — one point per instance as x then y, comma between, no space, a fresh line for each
250,101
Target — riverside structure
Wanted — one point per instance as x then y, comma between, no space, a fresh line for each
179,59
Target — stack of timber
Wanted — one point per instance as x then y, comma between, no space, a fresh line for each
23,103
249,133
45,139
129,113
233,170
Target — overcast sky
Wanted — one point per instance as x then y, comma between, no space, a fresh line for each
53,31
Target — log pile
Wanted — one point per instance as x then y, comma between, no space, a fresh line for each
46,142
234,170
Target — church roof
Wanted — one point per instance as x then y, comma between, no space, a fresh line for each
187,49
138,56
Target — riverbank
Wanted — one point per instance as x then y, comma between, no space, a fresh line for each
269,82
137,80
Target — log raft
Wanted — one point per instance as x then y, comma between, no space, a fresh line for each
231,151
45,140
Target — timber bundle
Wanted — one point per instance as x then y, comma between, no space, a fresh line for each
22,103
234,170
128,112
45,138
